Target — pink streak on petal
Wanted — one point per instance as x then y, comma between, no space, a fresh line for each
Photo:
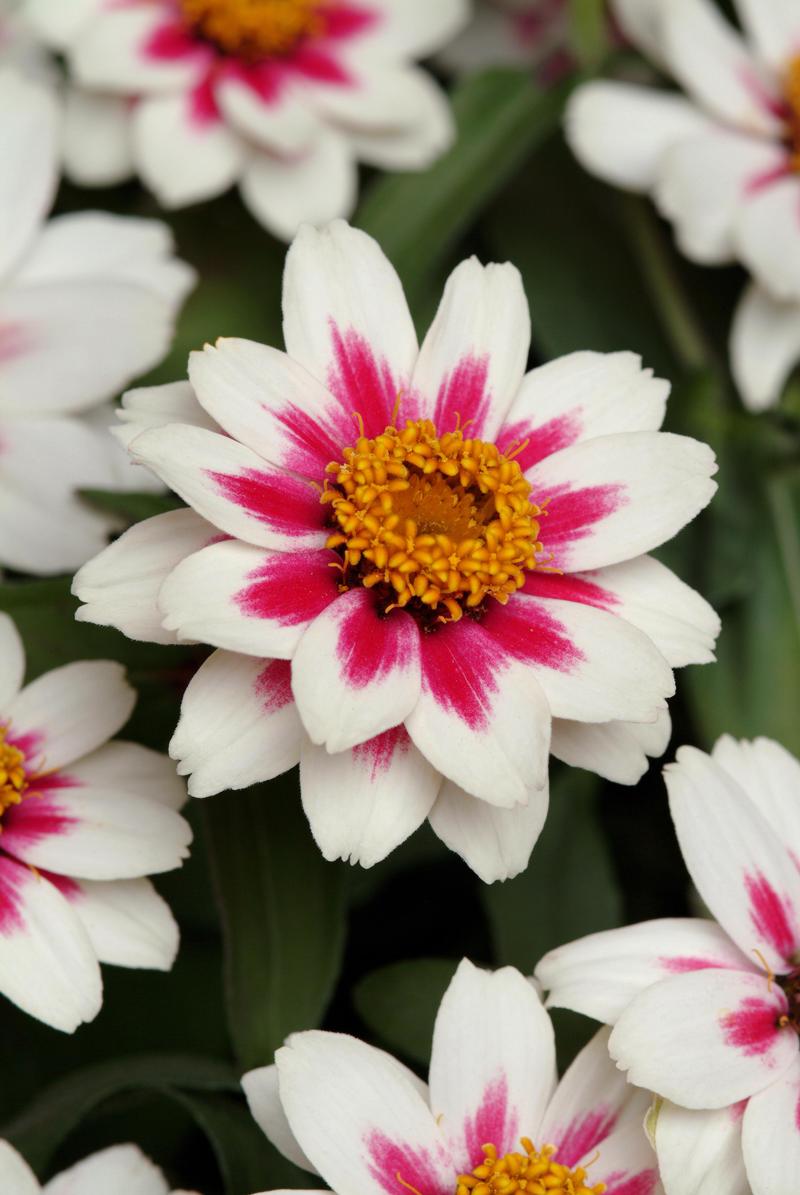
274,686
572,514
460,670
291,588
69,888
284,503
360,381
13,876
797,1115
388,1159
768,101
766,178
463,397
752,1027
315,444
494,1122
370,648
377,754
530,636
15,341
347,20
203,107
321,67
172,41
643,1183
771,915
35,818
569,588
583,1134
683,964
543,441
30,743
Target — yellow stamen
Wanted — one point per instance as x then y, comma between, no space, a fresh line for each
439,523
254,29
13,776
534,1172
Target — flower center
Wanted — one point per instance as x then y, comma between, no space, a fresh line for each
792,92
13,777
434,523
254,29
791,988
535,1172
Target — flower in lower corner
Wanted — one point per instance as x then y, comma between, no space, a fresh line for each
423,568
722,163
83,822
121,1169
492,1118
707,1013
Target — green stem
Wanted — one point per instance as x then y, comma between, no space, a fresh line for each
786,533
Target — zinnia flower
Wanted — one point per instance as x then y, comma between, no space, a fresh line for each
282,96
723,163
420,556
122,1169
708,1014
87,301
493,1117
82,822
530,33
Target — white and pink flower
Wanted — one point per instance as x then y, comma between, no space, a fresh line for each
525,33
415,562
707,1014
723,163
282,96
364,1123
121,1169
87,302
82,822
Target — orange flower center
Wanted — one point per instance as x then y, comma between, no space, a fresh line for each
254,29
792,93
534,1172
435,523
13,776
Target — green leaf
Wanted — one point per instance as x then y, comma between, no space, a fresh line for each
283,915
501,117
399,1002
131,508
588,30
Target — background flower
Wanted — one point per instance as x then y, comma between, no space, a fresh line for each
122,1168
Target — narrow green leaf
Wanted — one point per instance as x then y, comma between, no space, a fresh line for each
131,508
398,1003
283,915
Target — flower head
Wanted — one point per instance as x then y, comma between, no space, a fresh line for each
83,821
123,1169
411,559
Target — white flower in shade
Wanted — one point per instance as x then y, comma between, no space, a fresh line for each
425,558
282,96
121,1170
19,45
492,1117
708,1014
82,822
723,163
530,33
87,301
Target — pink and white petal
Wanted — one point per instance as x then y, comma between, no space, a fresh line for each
744,871
617,751
100,832
620,131
360,1117
313,187
705,1039
579,397
627,1164
280,120
12,662
770,776
600,975
472,361
764,346
704,181
123,1169
774,28
233,488
70,711
347,321
158,406
47,965
493,1065
355,672
81,342
771,1135
414,28
238,724
266,400
247,600
495,843
132,49
713,63
134,769
119,588
481,719
16,1176
183,151
264,1101
614,497
96,141
128,923
362,803
29,148
767,236
700,1153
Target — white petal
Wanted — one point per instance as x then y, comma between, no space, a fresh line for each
617,751
128,923
283,123
493,1066
12,661
764,346
158,406
774,27
700,1153
238,724
97,142
58,24
28,145
123,1169
770,776
416,28
495,843
620,132
627,1162
412,146
134,768
315,186
473,358
112,53
261,1089
364,802
16,1176
119,587
599,975
771,1135
182,157
767,236
639,22
42,536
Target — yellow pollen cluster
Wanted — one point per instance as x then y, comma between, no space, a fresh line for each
440,521
254,29
13,778
792,92
534,1172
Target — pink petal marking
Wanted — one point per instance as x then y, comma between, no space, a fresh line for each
12,879
582,1135
38,816
752,1027
377,754
766,178
568,587
557,433
572,515
771,915
347,20
769,101
291,587
643,1183
274,686
370,648
172,41
391,1161
493,1123
315,443
69,888
682,964
320,65
285,503
360,382
15,340
463,396
532,638
203,107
